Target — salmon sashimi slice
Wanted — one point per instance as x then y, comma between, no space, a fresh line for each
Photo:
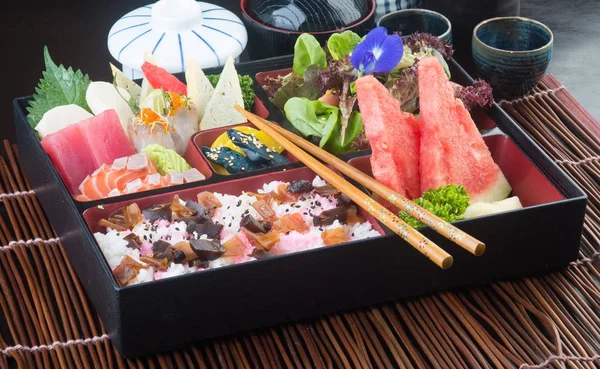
334,236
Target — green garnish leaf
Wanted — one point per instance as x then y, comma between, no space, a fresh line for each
58,86
307,52
246,83
336,145
297,86
447,202
312,118
316,119
342,44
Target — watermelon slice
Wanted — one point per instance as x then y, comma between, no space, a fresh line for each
81,148
393,135
452,149
70,154
160,78
105,137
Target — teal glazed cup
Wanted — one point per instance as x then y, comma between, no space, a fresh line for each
409,21
512,54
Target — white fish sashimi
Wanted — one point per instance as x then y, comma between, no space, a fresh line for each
60,117
199,88
101,96
184,124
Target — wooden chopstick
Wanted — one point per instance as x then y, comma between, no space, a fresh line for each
425,246
439,225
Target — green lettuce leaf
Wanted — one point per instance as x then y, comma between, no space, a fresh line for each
307,52
342,44
336,145
312,118
58,86
166,160
299,87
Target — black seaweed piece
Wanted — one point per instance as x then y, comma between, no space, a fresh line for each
209,229
200,210
254,149
300,186
327,190
261,254
207,249
163,250
199,263
157,211
231,160
327,217
253,225
179,256
133,241
343,200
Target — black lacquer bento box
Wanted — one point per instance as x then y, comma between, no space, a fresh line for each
168,313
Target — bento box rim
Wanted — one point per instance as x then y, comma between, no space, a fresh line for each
88,233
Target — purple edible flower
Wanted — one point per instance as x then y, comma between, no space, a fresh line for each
378,52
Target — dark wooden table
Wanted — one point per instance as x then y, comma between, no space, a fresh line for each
76,31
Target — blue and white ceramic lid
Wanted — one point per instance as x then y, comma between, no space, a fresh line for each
173,30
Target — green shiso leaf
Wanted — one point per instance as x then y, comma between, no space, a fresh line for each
447,202
58,86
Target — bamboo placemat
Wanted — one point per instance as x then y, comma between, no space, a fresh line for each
552,321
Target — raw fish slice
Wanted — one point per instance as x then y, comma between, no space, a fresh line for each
134,186
120,163
59,117
71,155
128,176
142,136
103,96
114,192
452,149
192,175
174,179
102,180
89,189
105,138
185,124
393,135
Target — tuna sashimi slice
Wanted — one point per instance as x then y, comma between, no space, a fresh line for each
106,138
393,135
70,153
452,149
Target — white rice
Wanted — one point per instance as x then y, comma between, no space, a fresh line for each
229,215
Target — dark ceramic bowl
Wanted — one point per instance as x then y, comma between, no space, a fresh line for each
274,25
409,21
512,54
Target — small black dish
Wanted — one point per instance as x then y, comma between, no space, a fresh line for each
274,25
408,21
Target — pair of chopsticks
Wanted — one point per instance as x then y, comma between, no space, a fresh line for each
295,145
